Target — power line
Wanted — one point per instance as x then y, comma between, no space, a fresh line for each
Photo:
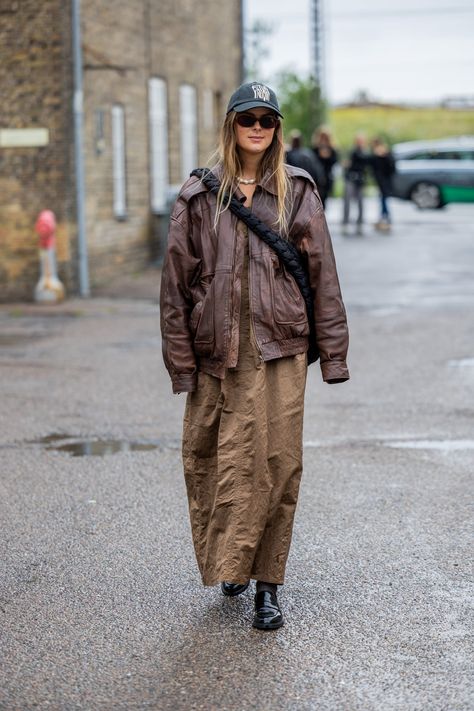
361,14
299,16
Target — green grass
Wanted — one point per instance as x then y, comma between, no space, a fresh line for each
396,124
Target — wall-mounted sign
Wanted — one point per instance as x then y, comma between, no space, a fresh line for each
24,137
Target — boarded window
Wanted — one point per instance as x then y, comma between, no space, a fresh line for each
158,119
118,158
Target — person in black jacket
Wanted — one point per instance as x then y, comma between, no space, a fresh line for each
382,163
323,149
354,181
302,157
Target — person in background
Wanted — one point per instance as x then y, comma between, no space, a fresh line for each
301,157
382,164
323,149
354,181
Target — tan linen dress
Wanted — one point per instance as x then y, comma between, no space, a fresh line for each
242,456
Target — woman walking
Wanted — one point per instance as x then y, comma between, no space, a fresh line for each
382,163
235,338
327,155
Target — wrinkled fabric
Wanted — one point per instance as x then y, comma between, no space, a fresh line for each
200,287
242,456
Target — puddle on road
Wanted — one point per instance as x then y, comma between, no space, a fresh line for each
102,447
76,447
440,445
52,438
462,363
311,443
93,447
443,445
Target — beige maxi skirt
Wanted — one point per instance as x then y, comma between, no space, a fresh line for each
242,457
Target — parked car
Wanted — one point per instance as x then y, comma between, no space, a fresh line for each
434,173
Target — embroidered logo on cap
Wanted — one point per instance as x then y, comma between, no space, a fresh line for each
261,92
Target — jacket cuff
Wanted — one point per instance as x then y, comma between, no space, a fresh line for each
184,383
334,371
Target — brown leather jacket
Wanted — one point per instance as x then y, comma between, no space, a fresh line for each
201,283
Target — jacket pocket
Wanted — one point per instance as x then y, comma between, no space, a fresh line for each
287,302
195,317
201,321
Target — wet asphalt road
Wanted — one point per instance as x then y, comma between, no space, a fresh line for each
101,606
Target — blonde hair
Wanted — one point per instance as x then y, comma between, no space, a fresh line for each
273,161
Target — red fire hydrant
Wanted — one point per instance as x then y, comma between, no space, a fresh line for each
49,288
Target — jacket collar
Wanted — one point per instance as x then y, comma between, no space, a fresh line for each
268,183
218,170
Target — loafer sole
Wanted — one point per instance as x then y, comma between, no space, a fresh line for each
267,625
234,594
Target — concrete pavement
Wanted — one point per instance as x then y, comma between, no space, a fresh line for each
101,603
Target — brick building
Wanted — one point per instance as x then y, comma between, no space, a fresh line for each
156,76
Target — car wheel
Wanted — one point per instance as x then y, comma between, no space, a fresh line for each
426,196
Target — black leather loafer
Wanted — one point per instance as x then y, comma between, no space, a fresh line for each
233,589
268,615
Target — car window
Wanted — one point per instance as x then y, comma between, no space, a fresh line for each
440,155
447,155
417,156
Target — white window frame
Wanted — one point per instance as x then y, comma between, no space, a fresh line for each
159,158
188,129
118,162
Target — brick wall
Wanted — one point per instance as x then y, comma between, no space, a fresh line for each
35,91
124,45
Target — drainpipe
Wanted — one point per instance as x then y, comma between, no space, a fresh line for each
78,150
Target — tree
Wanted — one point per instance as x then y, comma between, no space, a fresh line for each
301,103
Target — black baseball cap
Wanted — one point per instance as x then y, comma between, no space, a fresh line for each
253,95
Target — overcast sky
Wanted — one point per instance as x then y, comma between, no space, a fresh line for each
409,50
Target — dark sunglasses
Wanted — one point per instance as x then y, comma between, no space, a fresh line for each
248,120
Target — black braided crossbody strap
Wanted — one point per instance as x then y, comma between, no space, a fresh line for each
285,250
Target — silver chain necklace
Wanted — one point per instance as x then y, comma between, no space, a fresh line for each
247,181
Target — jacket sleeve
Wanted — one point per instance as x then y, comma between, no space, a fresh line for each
179,270
329,313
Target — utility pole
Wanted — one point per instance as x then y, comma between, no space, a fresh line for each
317,45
